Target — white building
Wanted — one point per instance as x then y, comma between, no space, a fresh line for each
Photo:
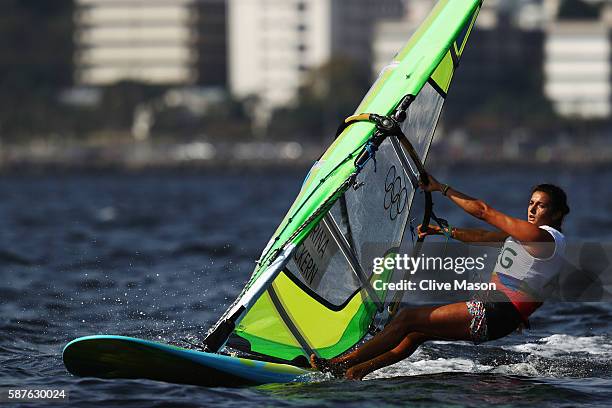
577,68
273,43
142,40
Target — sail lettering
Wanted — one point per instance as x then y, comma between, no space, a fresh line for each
306,264
312,257
319,239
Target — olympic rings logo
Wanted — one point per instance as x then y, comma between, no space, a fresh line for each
396,194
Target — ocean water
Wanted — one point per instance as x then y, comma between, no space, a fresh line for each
159,255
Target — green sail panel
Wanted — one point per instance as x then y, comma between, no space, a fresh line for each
288,309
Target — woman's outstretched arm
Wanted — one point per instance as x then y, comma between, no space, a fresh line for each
521,230
471,235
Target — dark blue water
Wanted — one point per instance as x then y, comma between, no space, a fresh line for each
160,255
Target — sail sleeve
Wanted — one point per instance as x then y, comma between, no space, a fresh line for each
314,289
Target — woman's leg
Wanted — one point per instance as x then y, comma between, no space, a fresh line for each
450,322
403,350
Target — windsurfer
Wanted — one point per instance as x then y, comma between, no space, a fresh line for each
529,260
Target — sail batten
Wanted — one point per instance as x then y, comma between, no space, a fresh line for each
410,172
351,257
289,323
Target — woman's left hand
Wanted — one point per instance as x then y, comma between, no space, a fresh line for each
429,230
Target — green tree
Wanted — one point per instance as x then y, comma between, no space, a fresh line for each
119,102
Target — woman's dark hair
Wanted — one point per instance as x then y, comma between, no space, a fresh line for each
558,198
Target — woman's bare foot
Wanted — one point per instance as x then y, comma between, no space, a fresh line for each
327,366
356,373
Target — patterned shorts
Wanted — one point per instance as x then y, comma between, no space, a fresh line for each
478,325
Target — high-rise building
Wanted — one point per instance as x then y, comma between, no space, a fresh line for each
273,43
167,42
212,42
578,60
578,68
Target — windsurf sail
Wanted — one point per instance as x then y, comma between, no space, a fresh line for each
313,290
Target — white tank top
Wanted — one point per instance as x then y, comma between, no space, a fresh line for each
536,275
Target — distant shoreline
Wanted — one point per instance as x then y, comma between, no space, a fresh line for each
250,155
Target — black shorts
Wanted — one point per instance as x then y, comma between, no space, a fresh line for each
493,317
502,319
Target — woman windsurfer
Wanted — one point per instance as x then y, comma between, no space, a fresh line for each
529,259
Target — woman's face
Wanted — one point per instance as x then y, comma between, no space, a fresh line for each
539,211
